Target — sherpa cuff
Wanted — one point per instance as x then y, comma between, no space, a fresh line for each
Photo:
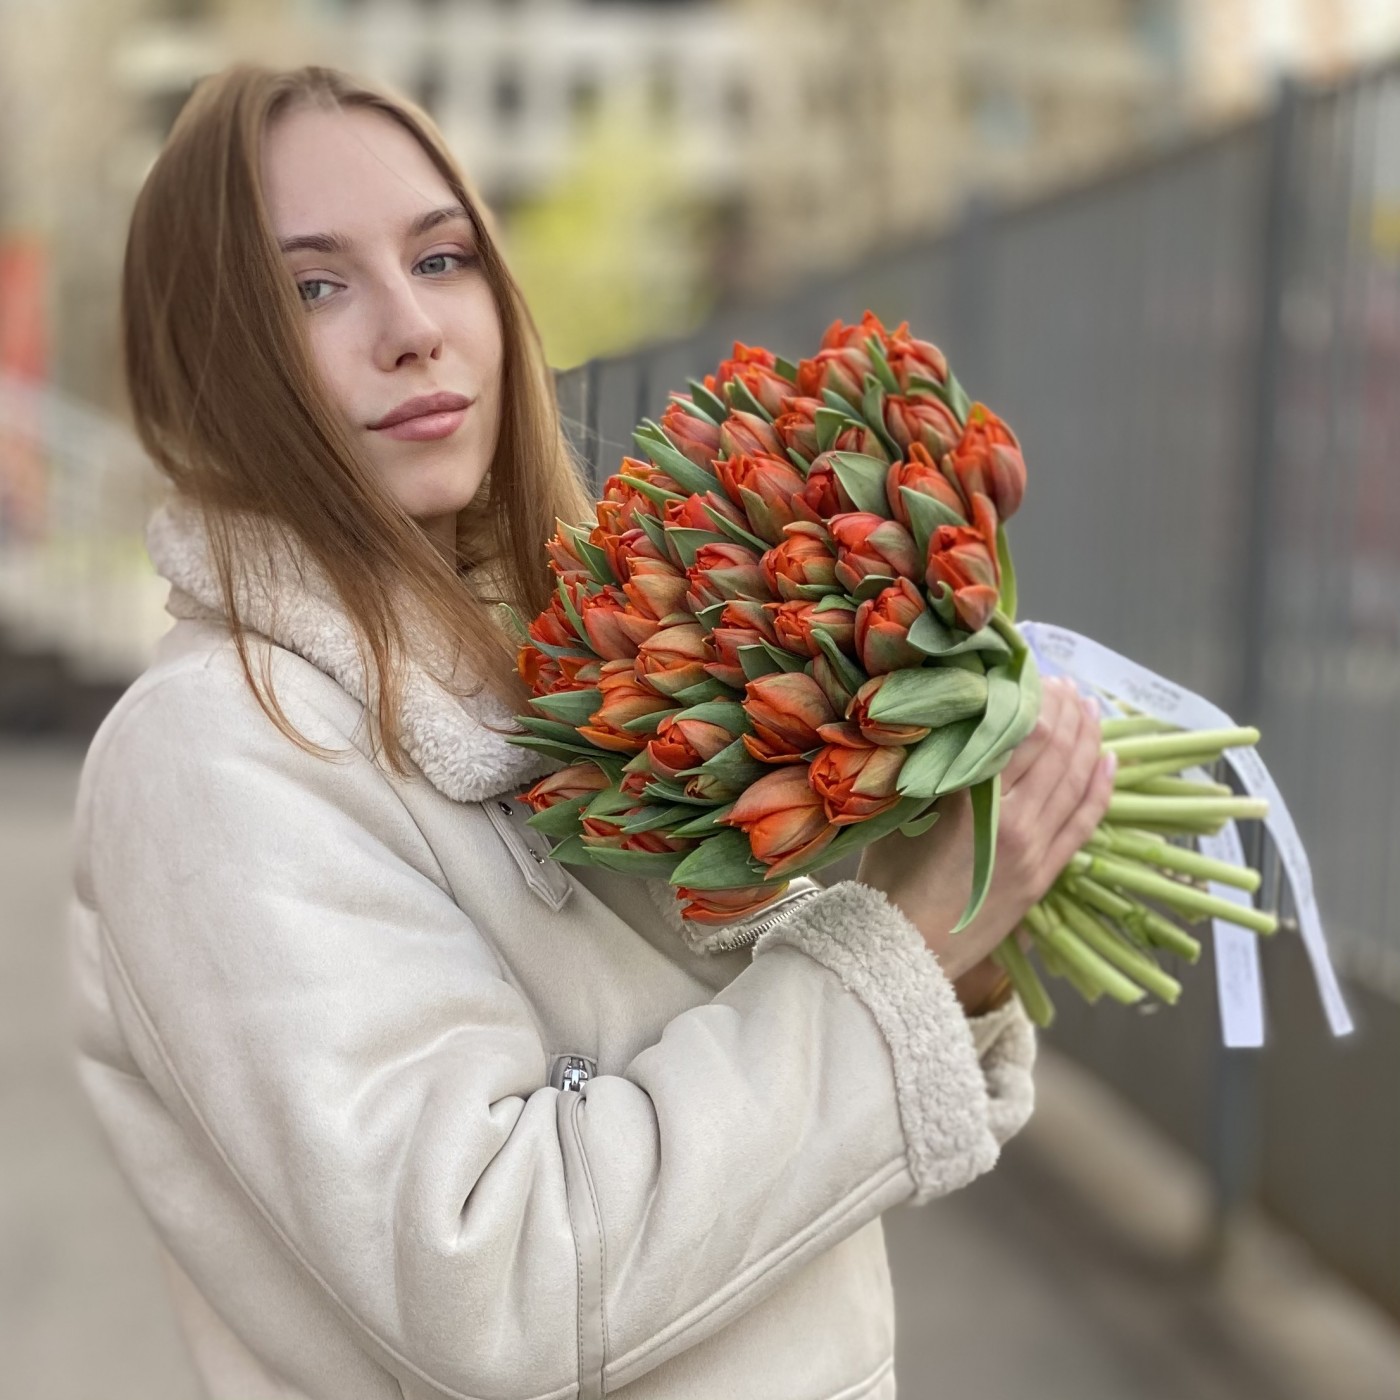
949,1102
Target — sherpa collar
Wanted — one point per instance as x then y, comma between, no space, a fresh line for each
442,734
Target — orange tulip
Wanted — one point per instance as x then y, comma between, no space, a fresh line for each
785,709
920,419
614,627
822,496
922,474
744,622
681,743
881,628
608,832
695,439
725,906
796,427
964,557
723,571
673,658
856,779
564,558
577,780
747,432
867,543
909,357
762,488
690,514
625,697
657,589
793,622
805,558
552,626
875,731
756,368
988,460
784,819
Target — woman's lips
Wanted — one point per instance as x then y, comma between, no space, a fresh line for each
426,426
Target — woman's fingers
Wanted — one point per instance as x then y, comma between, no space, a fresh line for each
1068,795
1053,698
1082,821
1048,763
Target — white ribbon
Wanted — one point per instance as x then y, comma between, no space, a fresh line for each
1059,651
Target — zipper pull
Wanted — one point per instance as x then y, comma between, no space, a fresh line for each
571,1072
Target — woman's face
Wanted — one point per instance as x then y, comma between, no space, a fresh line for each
396,305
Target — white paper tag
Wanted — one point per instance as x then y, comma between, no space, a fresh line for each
1058,650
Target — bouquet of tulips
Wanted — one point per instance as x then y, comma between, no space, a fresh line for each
790,630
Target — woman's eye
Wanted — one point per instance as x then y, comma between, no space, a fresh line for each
463,259
312,282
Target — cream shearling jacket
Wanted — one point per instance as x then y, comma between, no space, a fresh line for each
416,1111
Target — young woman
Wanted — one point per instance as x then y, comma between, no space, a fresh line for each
414,1110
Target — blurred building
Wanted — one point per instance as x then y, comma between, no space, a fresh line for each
802,134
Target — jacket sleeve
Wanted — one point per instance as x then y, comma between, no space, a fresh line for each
293,977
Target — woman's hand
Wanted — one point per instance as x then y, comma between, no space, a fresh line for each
1054,792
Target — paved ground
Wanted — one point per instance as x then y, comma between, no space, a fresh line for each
1066,1274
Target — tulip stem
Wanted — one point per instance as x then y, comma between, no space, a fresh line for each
1129,875
1122,841
1010,956
1185,741
1131,806
1138,774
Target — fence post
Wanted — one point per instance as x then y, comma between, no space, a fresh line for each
1234,1128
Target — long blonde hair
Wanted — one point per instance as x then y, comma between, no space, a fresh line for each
227,402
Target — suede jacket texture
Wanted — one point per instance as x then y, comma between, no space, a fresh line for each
323,1016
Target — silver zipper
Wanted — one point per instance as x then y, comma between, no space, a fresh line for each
753,932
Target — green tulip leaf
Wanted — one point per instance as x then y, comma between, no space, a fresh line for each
757,660
655,863
850,676
927,761
708,689
653,816
931,695
830,423
926,514
787,660
571,851
863,478
743,401
834,400
562,819
736,532
872,585
729,714
574,707
648,723
672,461
721,862
919,825
687,541
1007,601
657,495
705,823
986,806
883,372
713,405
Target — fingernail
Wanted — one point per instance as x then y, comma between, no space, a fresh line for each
1110,764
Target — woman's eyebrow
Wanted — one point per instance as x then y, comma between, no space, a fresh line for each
335,243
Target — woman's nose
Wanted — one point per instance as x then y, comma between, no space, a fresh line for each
406,327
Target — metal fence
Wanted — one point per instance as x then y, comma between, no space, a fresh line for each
1198,354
